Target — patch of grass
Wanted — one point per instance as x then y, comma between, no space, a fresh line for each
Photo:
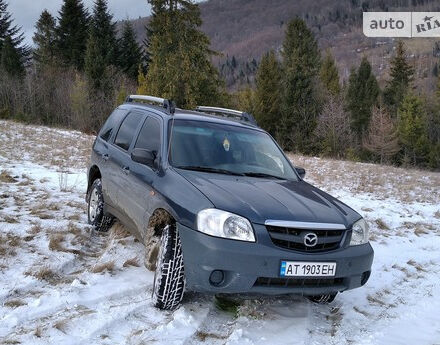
61,325
227,305
55,242
14,303
38,332
363,312
416,265
106,266
131,262
10,220
382,225
6,177
45,274
35,229
202,336
437,214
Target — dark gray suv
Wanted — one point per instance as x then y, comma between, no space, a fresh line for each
219,206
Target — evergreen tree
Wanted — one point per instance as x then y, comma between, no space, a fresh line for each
267,93
180,66
101,49
329,75
72,33
16,54
45,39
412,129
10,59
130,57
401,77
300,104
362,94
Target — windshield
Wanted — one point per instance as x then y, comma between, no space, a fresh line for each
219,148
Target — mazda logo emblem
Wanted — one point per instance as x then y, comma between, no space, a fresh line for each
310,240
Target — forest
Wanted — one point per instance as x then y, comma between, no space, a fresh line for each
83,64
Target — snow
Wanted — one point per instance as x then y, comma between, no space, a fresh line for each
62,283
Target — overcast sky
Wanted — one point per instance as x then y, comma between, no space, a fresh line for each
27,12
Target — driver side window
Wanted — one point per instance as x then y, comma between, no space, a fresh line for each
149,136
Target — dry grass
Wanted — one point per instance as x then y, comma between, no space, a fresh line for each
55,242
14,303
61,325
104,267
6,177
45,274
38,332
35,229
131,262
10,220
118,231
382,225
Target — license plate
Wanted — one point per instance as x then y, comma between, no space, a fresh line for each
307,269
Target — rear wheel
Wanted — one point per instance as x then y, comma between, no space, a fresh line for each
169,278
95,208
322,299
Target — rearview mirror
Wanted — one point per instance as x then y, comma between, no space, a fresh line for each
301,172
145,157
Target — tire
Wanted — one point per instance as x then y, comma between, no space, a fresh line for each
169,278
322,299
95,208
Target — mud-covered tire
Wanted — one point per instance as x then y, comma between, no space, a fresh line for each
322,299
169,278
95,208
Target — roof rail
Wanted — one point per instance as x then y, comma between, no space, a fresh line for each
228,112
166,103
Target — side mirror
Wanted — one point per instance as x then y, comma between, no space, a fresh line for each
301,172
142,156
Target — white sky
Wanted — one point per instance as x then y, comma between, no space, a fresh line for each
27,12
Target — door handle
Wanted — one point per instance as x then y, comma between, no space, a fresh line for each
126,170
105,156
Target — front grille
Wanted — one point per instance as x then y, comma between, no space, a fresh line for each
294,282
291,238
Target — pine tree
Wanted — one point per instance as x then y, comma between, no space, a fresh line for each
401,78
362,94
329,74
104,30
300,104
267,93
72,33
10,59
180,66
95,65
381,138
101,51
412,129
130,57
45,39
16,54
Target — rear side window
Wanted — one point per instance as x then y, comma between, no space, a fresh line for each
106,131
127,130
149,136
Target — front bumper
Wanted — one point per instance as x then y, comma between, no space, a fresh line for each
254,267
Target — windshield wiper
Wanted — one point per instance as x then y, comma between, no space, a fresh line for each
208,169
257,174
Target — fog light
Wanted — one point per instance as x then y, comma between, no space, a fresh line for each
216,277
365,277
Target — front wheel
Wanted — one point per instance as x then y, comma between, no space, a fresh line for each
322,299
95,208
169,278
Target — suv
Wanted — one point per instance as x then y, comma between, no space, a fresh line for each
219,206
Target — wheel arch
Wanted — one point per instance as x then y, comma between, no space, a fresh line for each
94,173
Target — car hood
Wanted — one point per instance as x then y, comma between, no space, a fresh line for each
260,199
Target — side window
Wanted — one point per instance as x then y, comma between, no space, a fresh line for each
149,136
127,130
106,131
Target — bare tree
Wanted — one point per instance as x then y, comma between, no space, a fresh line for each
381,137
333,127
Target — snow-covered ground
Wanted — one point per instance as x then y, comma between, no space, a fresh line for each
61,283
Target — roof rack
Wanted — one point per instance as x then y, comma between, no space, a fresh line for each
166,103
229,113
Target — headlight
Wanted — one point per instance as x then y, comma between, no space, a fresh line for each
359,234
224,224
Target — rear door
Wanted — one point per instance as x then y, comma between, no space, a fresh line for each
142,177
119,163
